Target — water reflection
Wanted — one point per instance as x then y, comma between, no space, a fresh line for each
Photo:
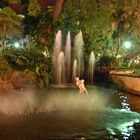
128,103
134,101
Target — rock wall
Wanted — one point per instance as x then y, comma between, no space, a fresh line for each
17,81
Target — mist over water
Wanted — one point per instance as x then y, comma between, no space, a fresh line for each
17,103
102,111
27,102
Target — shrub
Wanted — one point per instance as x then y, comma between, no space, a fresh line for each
5,69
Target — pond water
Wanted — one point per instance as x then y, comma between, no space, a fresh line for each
63,114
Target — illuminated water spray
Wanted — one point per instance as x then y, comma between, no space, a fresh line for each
68,57
60,69
91,67
74,74
68,62
78,53
56,51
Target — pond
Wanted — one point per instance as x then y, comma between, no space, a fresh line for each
63,114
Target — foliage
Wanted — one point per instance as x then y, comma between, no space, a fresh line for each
10,25
106,62
34,8
46,19
30,25
106,25
10,22
33,59
69,20
44,22
125,25
92,19
5,69
14,1
24,1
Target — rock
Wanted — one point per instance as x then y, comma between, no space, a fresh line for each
30,79
6,86
17,80
21,80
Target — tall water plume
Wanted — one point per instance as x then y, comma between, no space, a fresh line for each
56,51
91,67
78,53
74,70
68,57
68,63
60,69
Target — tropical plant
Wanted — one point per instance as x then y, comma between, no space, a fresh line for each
5,69
106,63
32,58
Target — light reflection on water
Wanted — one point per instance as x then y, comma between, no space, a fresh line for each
63,113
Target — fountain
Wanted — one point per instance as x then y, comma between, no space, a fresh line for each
56,51
74,74
91,67
60,69
94,116
69,63
103,114
68,56
78,53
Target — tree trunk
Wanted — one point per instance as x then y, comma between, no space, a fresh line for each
55,15
57,10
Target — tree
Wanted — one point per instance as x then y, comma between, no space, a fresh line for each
56,12
34,8
10,24
92,18
125,25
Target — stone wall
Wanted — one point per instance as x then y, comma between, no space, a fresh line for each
126,82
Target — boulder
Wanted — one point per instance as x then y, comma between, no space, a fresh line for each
6,86
21,80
